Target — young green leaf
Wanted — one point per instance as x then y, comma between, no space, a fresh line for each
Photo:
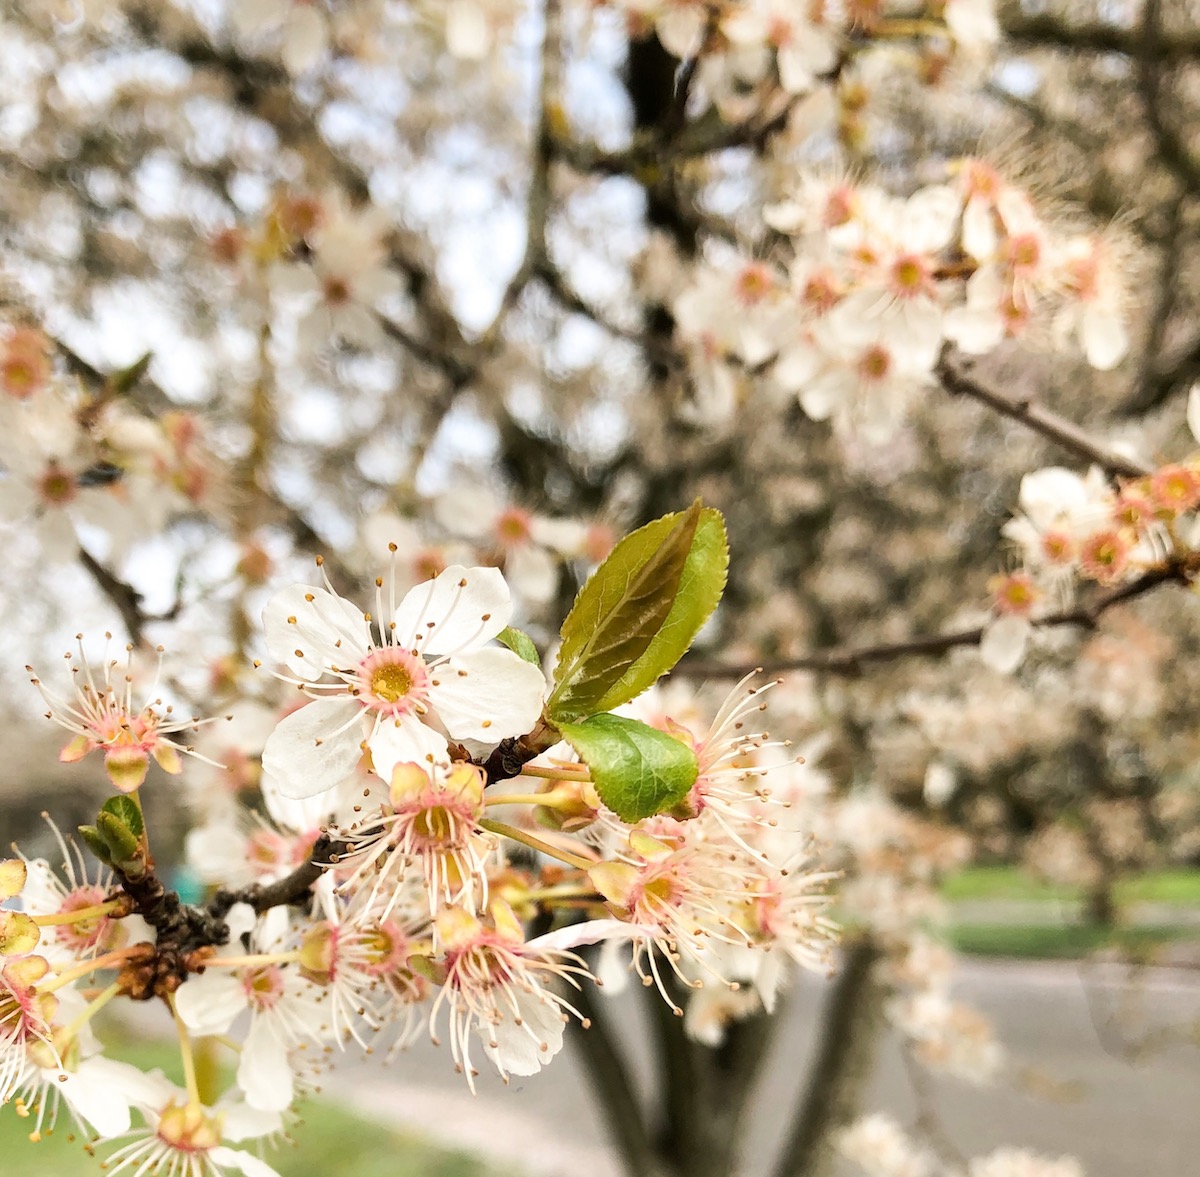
700,590
121,841
637,770
520,643
618,612
126,810
94,841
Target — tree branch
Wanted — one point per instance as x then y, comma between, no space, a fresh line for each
852,661
1041,420
1049,31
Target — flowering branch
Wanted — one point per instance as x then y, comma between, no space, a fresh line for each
1041,420
853,661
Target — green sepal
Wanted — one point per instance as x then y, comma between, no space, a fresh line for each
638,771
521,644
618,613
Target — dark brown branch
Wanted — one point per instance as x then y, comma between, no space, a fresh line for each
125,598
853,661
1041,420
1049,31
1172,148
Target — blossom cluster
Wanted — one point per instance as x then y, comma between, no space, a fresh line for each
77,459
1073,529
876,286
425,876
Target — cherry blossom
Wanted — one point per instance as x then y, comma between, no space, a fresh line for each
429,677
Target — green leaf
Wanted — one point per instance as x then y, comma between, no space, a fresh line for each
93,840
127,811
700,590
519,643
637,770
618,612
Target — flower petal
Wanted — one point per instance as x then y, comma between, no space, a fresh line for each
406,740
304,753
487,694
459,610
310,630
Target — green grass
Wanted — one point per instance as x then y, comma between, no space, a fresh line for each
1062,941
1008,883
330,1140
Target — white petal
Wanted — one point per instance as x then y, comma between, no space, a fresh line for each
467,510
210,1002
1004,642
327,630
1193,411
1104,338
303,753
519,1048
263,1072
298,815
409,741
467,35
101,1091
487,694
533,572
460,609
590,932
249,1164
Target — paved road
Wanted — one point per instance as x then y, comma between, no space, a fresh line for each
1123,1119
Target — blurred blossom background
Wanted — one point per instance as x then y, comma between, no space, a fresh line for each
908,291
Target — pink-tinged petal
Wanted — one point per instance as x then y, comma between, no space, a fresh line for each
210,1002
460,609
263,1072
168,759
76,750
309,630
487,694
304,752
409,740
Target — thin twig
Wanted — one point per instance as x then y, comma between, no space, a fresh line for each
852,661
1037,417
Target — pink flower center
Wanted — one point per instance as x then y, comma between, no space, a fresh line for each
88,932
513,527
263,986
393,682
